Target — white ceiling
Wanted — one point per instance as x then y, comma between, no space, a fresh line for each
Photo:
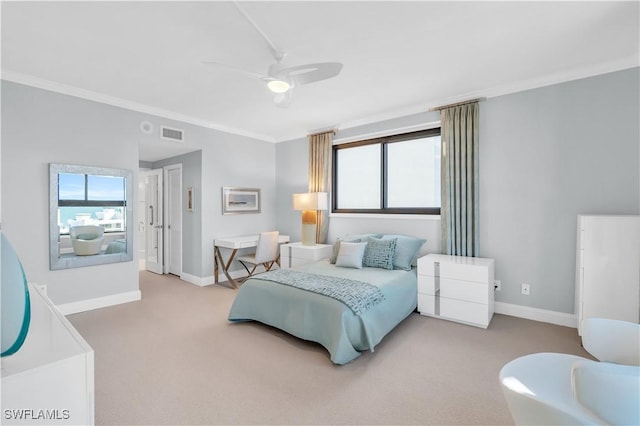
399,57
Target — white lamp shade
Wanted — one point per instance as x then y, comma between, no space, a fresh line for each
311,201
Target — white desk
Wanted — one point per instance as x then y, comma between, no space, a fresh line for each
235,243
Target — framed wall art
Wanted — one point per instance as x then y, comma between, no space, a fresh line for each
240,200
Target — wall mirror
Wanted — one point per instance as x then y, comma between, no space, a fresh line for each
90,216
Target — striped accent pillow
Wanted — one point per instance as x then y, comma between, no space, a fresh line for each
379,253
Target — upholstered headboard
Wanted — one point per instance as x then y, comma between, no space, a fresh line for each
427,227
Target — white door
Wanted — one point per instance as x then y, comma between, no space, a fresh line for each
173,219
141,236
153,220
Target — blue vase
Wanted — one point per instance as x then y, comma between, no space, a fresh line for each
15,310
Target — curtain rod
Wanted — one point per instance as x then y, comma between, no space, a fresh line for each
470,101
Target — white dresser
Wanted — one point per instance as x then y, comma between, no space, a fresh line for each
294,254
50,380
456,288
608,268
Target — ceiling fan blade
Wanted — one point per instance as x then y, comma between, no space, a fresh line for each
240,70
283,100
310,73
276,52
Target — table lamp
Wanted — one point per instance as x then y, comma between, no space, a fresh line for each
309,203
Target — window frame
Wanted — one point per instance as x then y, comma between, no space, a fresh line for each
91,203
86,202
383,142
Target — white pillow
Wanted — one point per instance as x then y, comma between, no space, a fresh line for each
350,255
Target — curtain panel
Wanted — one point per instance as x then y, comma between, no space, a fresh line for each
460,201
320,176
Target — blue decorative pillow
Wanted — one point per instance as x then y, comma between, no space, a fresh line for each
379,253
350,255
407,249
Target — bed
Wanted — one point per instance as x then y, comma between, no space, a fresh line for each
345,331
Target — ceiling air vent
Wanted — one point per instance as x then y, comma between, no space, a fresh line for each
175,135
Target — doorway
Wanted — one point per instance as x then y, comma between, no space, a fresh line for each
162,223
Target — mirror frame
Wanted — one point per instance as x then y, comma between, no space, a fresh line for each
55,261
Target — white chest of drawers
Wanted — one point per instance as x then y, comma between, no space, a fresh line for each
50,380
294,254
456,288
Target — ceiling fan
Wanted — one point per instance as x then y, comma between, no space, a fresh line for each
280,79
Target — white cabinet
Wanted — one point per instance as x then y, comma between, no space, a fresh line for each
50,380
456,288
608,268
294,254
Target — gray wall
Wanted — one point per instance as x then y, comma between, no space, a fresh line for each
292,176
191,221
223,160
40,127
546,155
234,161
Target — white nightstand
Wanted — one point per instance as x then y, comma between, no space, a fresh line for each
294,254
456,288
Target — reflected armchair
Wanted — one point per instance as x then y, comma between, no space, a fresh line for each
86,240
560,389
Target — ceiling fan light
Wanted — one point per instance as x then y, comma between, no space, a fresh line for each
278,86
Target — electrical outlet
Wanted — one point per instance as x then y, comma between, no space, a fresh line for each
497,285
525,289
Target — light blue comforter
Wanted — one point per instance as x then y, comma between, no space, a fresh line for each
324,320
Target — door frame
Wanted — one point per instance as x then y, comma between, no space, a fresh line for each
167,239
160,217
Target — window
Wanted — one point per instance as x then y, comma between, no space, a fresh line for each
394,174
85,199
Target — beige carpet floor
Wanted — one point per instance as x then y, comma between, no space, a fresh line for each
173,358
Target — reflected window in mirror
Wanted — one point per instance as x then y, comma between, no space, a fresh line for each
91,215
85,199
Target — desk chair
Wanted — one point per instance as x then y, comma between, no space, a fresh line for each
266,253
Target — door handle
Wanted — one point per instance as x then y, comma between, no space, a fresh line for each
151,222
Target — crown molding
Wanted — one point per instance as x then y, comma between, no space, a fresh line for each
77,92
632,61
500,90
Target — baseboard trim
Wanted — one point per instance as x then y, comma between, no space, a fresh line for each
527,312
199,281
99,302
205,281
536,314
